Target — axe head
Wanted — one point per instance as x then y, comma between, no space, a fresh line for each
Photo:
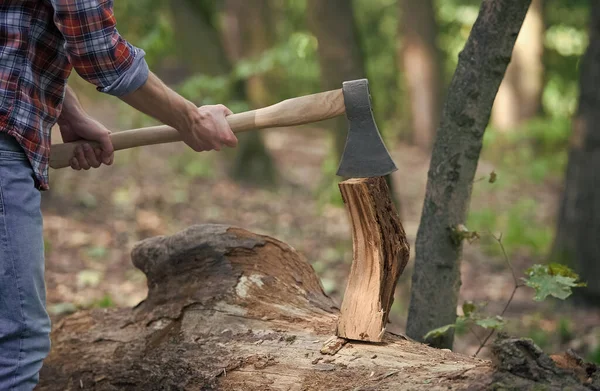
365,154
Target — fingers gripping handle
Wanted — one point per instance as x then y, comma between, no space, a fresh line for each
290,112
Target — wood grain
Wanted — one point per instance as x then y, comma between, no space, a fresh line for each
380,252
290,112
229,309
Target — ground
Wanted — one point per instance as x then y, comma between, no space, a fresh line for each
92,220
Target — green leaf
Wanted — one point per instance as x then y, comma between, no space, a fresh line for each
468,308
551,280
460,324
439,331
495,323
97,252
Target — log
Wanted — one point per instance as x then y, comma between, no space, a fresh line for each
380,254
228,309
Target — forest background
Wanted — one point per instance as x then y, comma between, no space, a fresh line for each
281,182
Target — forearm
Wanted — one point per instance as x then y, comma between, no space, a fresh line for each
158,101
71,109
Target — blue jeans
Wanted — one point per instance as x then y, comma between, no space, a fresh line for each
24,322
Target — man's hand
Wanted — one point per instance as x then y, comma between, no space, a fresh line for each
207,129
86,128
202,129
75,125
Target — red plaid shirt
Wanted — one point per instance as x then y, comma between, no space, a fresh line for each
41,41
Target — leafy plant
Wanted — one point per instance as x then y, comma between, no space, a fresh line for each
546,280
551,280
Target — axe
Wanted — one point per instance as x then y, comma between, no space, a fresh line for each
365,155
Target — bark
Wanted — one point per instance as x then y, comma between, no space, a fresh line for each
578,226
381,253
340,56
480,69
520,95
422,62
228,309
198,39
246,36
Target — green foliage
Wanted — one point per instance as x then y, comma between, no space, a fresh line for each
518,223
97,252
565,41
551,280
377,24
547,280
539,336
534,152
455,19
105,302
328,191
565,330
461,232
193,165
471,317
594,356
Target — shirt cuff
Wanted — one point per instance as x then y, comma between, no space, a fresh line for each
134,78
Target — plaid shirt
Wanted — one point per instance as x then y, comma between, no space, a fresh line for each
41,41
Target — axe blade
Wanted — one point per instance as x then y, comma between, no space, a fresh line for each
365,154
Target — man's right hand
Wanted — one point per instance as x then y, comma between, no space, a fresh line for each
202,129
206,129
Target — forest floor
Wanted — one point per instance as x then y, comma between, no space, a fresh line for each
92,219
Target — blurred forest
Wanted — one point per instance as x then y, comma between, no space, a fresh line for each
252,53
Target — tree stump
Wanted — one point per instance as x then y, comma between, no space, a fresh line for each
380,254
231,310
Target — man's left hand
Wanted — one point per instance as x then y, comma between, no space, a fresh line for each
88,129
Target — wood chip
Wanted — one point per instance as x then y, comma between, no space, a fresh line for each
333,345
386,375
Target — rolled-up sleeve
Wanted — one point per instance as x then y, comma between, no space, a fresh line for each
96,50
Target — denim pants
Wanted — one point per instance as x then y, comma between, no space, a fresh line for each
24,322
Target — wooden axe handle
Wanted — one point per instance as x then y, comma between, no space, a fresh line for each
290,112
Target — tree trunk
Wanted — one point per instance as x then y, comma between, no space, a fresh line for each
422,68
578,227
228,309
340,57
202,49
198,39
481,67
520,95
246,36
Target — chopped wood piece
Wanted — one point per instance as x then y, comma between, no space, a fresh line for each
380,252
333,345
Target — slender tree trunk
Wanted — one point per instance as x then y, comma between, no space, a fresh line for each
481,67
578,228
422,68
520,95
246,36
341,59
198,39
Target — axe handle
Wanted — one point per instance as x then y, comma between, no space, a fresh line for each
290,112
